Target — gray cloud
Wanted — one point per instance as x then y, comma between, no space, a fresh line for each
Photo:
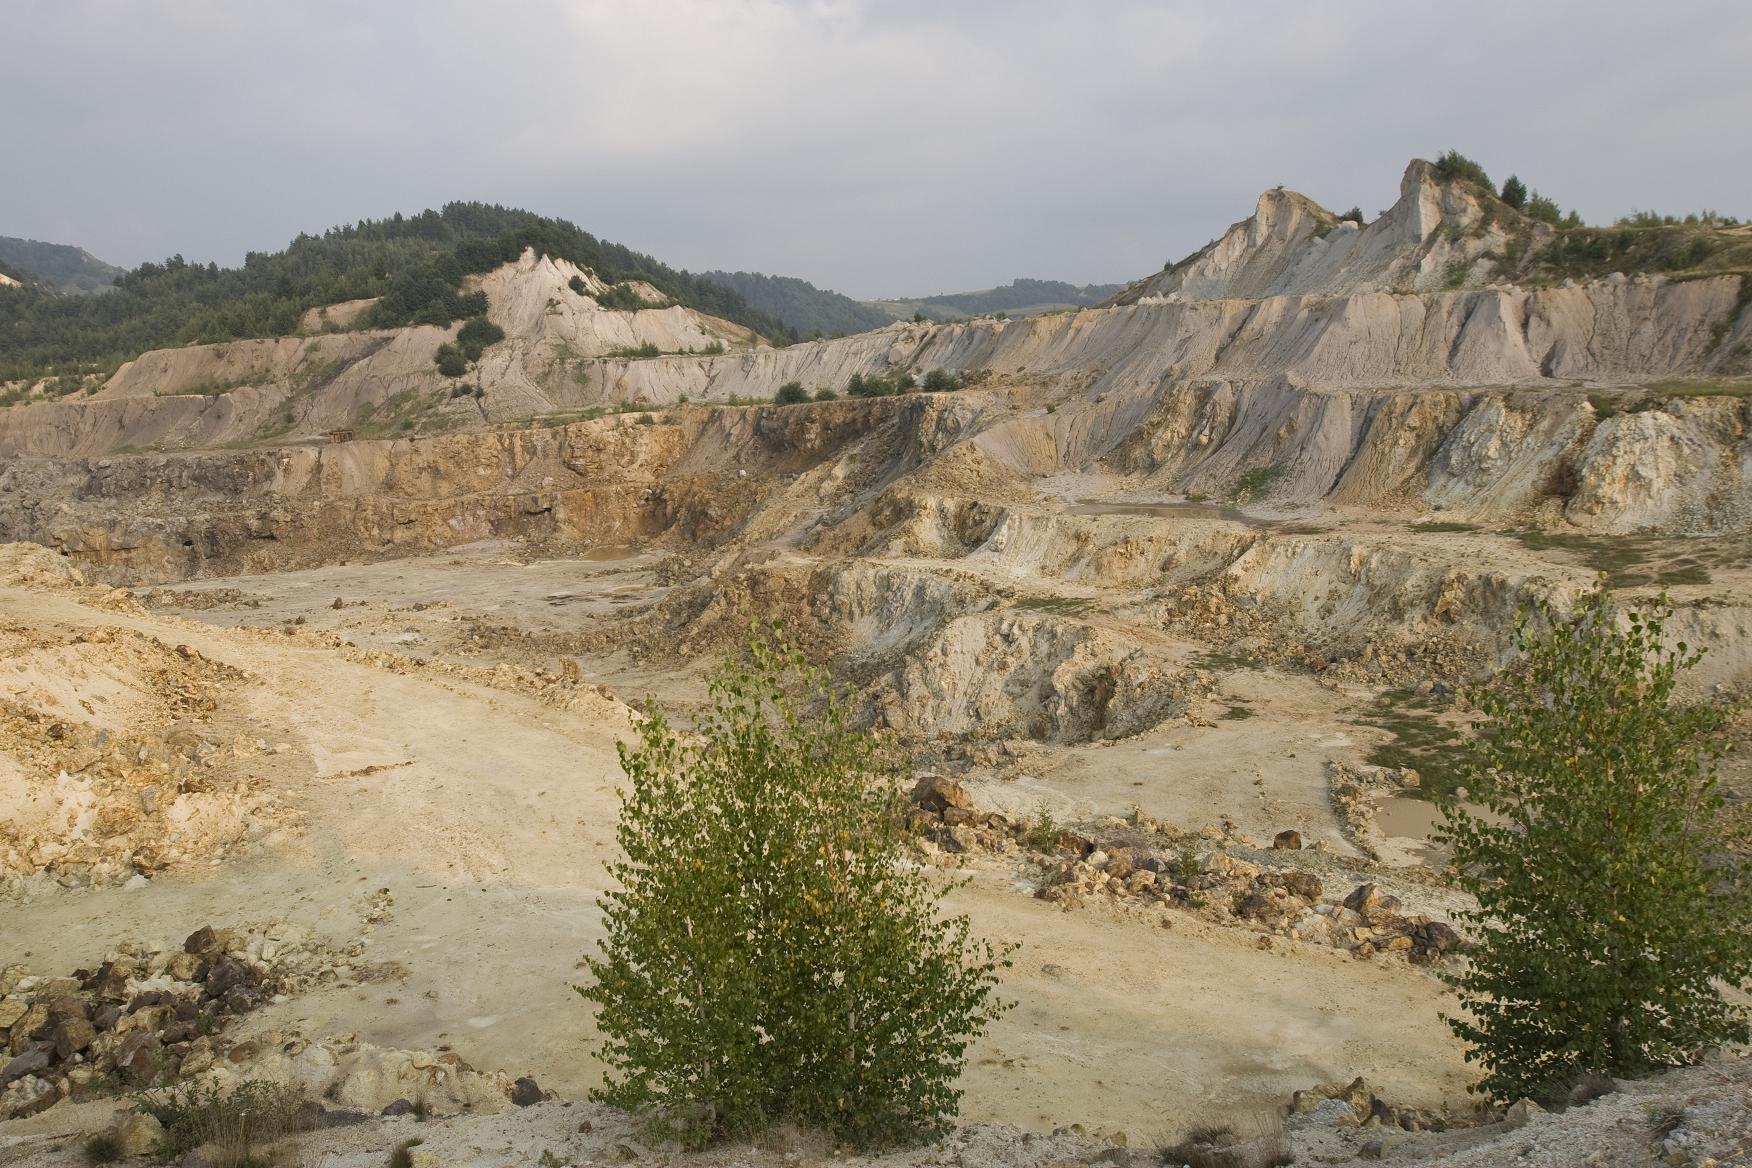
877,147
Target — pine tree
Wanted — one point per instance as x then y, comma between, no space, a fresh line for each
1613,901
770,956
1515,192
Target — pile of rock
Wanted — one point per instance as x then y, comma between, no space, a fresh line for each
144,1017
1287,902
1355,1105
943,814
100,807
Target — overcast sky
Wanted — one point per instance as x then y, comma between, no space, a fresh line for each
880,148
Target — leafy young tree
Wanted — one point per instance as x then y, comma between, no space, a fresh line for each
770,956
1515,192
1355,215
791,393
1612,898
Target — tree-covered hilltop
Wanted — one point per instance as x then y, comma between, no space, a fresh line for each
60,266
415,264
1020,297
800,305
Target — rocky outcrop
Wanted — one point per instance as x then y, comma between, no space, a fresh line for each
1433,237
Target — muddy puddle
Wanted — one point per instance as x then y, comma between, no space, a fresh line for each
1406,818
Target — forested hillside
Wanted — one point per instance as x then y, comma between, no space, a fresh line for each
60,266
800,305
1018,297
416,264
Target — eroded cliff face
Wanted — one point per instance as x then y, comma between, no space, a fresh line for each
1305,364
1675,465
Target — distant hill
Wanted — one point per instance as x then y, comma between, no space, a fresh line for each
414,265
804,308
1021,297
59,266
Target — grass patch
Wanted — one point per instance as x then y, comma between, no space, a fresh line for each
235,1120
1629,561
1442,526
1255,482
1237,714
1217,660
1700,387
1220,1146
103,1148
1056,605
1420,740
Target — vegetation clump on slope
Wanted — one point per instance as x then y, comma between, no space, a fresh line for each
415,264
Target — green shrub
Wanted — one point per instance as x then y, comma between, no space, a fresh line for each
715,349
645,420
941,381
637,352
1544,210
826,395
769,956
622,298
1354,215
577,284
451,362
1611,910
476,334
791,393
1455,165
872,386
1043,831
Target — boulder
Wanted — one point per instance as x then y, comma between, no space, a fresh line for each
939,793
137,1133
33,1061
1303,884
27,1096
1289,840
525,1092
73,1035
